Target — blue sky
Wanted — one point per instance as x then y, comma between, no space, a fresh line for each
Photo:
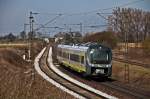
14,13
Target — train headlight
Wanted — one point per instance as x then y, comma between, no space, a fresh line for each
92,65
109,65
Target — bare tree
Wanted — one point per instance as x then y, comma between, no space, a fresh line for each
134,23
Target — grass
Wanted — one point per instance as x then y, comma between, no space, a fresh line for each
138,76
15,83
14,45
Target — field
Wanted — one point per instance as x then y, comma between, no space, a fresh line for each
14,45
139,77
17,80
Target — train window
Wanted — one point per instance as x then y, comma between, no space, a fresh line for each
82,59
74,57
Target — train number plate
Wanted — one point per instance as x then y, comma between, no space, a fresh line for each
100,71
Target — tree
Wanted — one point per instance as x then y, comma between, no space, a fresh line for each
23,35
10,37
106,38
131,23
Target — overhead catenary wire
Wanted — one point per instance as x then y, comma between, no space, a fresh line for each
97,11
123,5
43,25
96,26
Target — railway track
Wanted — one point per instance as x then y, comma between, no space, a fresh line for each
115,86
132,62
119,89
136,93
74,88
83,92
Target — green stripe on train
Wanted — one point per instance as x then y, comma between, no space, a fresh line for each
78,68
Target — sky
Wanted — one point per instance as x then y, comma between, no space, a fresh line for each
15,13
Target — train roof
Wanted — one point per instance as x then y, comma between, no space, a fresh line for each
82,47
74,47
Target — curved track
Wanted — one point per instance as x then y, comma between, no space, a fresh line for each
74,88
83,92
109,85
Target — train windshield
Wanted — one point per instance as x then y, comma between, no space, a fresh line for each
98,56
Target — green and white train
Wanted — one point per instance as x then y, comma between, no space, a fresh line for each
90,59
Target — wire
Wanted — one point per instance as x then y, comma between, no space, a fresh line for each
48,22
130,3
110,8
52,19
96,26
98,11
102,16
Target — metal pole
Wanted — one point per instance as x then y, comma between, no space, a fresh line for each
70,30
30,34
81,28
32,30
126,74
24,28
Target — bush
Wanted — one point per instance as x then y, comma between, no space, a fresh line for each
106,38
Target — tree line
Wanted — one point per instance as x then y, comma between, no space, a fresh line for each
134,24
21,36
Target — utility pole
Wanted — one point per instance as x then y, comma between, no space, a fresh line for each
32,30
69,30
31,20
127,72
25,27
81,28
29,35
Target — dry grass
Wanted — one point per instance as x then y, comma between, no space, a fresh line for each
131,45
139,76
134,54
16,79
14,45
15,85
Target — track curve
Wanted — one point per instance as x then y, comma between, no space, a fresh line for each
73,87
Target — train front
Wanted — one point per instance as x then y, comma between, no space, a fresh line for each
99,61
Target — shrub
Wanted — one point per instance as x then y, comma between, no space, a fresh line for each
106,38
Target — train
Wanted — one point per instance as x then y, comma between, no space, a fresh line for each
90,59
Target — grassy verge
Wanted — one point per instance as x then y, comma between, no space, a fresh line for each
16,79
15,85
